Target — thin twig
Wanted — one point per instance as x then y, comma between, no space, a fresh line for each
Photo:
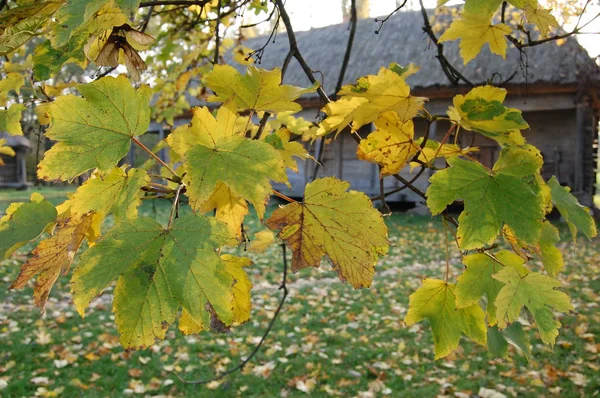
175,208
384,20
217,37
159,160
242,364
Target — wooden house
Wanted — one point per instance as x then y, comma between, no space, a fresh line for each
13,174
555,85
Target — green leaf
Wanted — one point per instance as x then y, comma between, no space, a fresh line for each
477,280
435,301
535,291
117,192
552,258
330,221
213,154
482,110
10,120
499,340
159,270
24,222
577,216
15,36
492,198
94,131
257,90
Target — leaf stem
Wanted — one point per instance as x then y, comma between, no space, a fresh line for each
152,154
282,196
174,210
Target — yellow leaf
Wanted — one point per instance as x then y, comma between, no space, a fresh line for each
258,89
42,114
372,95
5,150
241,55
12,82
330,221
10,120
241,287
280,140
262,240
391,146
52,257
230,208
433,150
541,18
474,31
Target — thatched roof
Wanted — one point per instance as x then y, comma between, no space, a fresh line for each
402,40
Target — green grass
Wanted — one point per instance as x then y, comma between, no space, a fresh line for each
330,339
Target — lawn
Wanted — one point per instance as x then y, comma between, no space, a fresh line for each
330,339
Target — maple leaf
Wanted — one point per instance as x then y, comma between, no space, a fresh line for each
552,258
372,95
241,300
435,301
477,280
12,82
577,216
535,291
214,154
434,150
391,145
116,191
481,110
5,150
160,270
499,339
10,119
52,257
474,31
24,222
262,240
258,89
280,140
330,221
230,208
491,197
541,18
94,131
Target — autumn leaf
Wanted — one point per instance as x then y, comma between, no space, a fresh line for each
12,82
535,291
24,222
372,95
477,280
474,31
499,339
19,24
552,257
229,208
242,303
288,150
435,301
10,119
257,90
94,131
541,17
391,145
481,110
160,270
434,150
52,257
342,225
5,150
262,240
492,198
577,216
117,191
214,154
